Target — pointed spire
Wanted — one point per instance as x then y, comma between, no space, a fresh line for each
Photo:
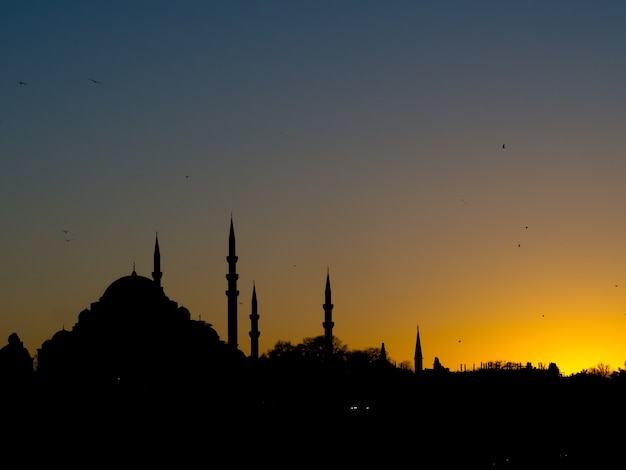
327,284
231,239
328,323
418,353
232,291
254,326
156,273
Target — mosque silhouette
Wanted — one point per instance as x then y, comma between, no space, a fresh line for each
136,334
137,378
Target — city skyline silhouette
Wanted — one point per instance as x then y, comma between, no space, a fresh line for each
131,363
132,288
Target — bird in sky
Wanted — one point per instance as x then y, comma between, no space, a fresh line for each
503,146
95,81
64,231
22,83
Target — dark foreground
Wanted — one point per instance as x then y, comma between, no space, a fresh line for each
437,428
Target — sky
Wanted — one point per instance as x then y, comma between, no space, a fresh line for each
453,166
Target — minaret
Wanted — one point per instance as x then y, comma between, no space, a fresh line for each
157,274
254,325
383,353
418,353
328,320
232,293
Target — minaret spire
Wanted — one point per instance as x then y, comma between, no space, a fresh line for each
254,326
383,353
328,319
232,293
418,353
157,274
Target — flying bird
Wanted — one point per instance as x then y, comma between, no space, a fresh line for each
22,83
503,146
95,81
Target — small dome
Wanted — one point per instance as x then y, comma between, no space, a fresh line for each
84,315
184,313
61,335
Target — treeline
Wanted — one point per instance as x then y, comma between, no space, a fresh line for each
358,402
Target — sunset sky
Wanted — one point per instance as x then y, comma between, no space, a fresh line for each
360,138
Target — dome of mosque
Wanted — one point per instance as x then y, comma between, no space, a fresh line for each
62,335
133,287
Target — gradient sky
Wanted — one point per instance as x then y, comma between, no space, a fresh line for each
360,137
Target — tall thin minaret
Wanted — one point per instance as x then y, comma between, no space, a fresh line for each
157,274
328,320
418,353
232,293
254,327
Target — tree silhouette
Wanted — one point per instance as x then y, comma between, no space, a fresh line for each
601,370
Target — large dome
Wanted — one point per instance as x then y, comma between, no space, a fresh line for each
133,287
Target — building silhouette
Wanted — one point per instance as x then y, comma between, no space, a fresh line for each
16,365
328,320
136,334
232,293
157,274
254,326
418,358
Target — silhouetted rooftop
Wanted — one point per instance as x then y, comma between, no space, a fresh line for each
132,287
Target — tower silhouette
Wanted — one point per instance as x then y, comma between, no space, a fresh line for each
232,293
254,325
157,274
328,320
418,353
